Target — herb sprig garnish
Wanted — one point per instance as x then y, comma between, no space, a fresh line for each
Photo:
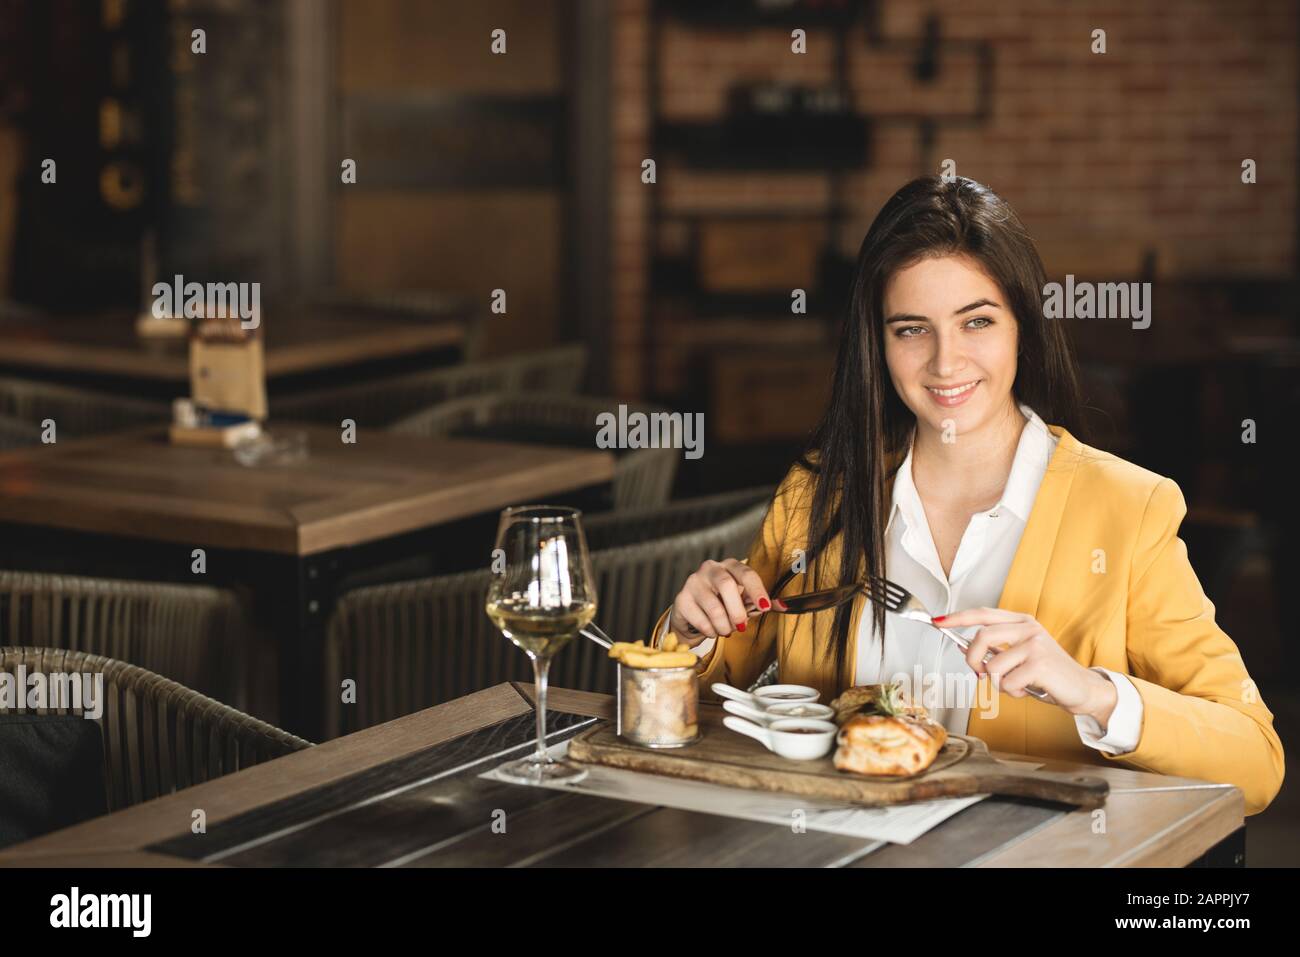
889,702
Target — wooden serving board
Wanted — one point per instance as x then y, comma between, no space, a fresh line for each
721,756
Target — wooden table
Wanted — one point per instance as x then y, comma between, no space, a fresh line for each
298,341
291,533
408,794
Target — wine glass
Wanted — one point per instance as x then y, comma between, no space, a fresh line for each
542,598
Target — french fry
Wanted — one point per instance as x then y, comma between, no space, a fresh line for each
670,642
664,659
617,649
676,659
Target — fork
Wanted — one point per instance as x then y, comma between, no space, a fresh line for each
899,601
896,599
597,634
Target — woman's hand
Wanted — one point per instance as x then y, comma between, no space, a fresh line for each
715,601
1028,655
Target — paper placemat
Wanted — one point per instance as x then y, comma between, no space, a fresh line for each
898,824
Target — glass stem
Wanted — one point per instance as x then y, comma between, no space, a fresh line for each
540,667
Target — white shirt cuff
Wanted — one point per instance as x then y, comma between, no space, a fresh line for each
702,649
1124,729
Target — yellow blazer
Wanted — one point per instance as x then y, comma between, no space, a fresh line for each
1145,615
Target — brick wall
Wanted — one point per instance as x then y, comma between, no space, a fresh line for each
1105,157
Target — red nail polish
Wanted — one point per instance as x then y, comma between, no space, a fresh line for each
764,604
938,617
740,626
782,605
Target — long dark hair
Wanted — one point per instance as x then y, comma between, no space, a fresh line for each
866,424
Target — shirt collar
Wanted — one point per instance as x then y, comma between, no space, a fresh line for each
1033,453
906,501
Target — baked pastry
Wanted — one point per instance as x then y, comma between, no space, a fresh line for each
881,734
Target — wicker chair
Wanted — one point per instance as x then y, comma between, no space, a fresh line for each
411,645
75,412
379,404
159,736
625,528
194,634
643,478
15,433
635,526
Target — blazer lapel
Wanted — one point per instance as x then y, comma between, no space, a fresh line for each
1024,584
1007,729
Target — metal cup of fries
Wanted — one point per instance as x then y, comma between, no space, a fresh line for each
658,694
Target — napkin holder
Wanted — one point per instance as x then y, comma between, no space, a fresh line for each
227,401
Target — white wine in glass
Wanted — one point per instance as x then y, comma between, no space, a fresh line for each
543,597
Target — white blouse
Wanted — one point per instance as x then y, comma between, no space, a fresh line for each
932,668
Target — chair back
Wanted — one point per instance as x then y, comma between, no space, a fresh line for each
158,735
194,634
380,404
16,434
643,478
411,645
634,526
75,412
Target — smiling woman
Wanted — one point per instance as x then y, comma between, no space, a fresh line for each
941,361
935,466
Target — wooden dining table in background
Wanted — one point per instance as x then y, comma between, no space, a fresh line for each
409,794
299,341
134,505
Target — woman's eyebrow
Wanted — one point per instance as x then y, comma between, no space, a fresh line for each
908,317
976,304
